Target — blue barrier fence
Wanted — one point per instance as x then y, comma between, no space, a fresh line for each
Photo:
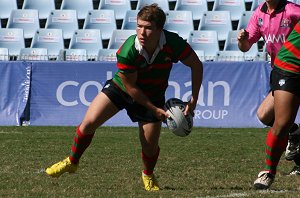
58,93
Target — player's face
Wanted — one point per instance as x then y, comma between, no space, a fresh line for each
147,33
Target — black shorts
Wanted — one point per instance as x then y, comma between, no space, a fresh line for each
287,81
122,100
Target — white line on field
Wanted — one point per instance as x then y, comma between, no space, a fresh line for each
244,194
7,132
230,195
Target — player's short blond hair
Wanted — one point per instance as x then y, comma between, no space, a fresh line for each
153,13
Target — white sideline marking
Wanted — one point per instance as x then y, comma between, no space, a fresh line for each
7,132
41,171
230,195
244,194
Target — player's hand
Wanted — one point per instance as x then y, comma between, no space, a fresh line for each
190,107
242,35
161,114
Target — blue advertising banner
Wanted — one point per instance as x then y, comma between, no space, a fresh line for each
229,96
62,92
230,92
14,86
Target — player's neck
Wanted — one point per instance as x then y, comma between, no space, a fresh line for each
151,48
272,6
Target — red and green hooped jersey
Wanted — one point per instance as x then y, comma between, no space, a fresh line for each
288,58
152,78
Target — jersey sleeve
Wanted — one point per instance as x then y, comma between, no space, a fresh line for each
253,28
124,65
180,48
126,56
187,49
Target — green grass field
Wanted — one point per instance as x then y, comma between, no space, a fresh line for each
211,162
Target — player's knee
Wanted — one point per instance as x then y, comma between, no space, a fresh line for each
88,127
259,116
264,118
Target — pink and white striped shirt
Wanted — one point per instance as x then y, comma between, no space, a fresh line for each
275,27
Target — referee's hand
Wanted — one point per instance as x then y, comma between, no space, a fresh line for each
242,35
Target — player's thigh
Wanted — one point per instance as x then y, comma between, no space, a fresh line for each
265,111
149,135
100,110
286,107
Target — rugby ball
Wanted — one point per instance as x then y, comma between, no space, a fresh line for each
178,123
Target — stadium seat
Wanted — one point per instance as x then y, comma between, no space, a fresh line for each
44,7
252,53
243,22
40,54
261,56
4,54
72,55
107,55
119,37
197,7
225,55
216,20
231,44
206,41
129,22
163,4
6,6
12,39
28,20
256,3
82,7
88,39
63,19
235,7
200,54
120,7
103,20
51,39
180,22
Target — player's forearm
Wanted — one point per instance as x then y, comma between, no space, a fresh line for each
138,96
244,45
134,91
197,76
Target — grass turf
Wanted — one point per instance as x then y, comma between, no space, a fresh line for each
210,162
